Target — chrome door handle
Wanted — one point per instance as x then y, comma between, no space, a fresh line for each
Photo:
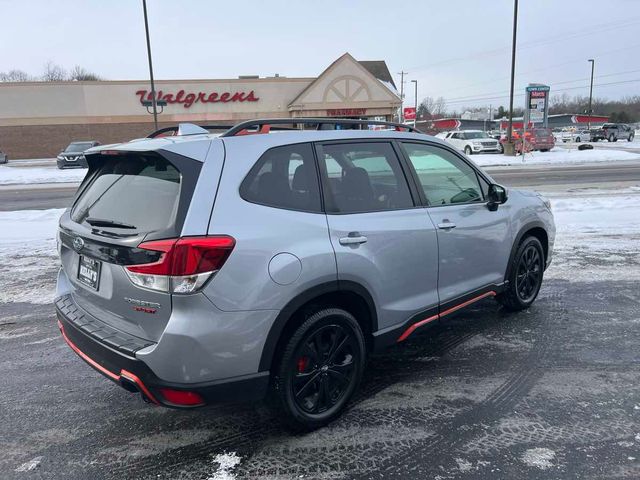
353,240
446,225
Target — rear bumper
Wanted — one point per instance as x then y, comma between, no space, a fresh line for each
135,376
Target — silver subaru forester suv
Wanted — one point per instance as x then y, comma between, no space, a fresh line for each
201,268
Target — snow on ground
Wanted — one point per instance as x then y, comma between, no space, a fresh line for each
556,156
28,260
598,235
13,175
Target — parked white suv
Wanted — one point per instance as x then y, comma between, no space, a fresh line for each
471,141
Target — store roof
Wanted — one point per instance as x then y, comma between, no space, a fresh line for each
379,69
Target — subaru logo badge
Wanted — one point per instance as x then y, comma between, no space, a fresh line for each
78,244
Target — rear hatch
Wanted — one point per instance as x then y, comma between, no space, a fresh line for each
127,198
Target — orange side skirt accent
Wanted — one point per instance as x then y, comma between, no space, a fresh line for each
419,324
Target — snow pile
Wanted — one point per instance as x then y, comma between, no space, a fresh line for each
598,237
555,157
29,175
28,257
227,462
539,457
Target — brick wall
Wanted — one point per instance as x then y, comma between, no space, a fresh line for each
46,141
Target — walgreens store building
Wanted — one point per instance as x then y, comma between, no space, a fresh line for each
38,119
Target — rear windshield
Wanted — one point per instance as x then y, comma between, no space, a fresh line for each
78,147
542,132
130,194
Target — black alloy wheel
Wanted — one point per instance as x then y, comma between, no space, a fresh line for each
319,370
529,274
524,277
324,368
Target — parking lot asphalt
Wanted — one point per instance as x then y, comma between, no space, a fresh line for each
553,392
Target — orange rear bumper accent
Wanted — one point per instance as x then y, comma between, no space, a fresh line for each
113,376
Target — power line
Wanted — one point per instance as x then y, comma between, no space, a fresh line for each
477,99
547,67
622,23
552,83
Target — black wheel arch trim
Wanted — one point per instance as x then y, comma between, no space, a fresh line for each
516,243
317,291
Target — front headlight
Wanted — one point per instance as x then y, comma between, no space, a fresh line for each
477,144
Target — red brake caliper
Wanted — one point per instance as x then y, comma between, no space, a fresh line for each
302,364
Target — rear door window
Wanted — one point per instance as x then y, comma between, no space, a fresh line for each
131,194
363,177
284,177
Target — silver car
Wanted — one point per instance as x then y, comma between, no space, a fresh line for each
199,268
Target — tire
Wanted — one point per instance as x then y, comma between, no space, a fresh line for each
610,139
544,149
615,139
526,271
578,140
325,380
468,150
630,139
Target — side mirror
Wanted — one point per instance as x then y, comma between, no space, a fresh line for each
497,196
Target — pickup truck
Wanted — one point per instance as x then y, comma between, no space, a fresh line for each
612,132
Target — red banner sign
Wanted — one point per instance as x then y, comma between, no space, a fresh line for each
409,113
346,112
189,98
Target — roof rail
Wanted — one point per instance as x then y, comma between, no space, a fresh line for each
266,124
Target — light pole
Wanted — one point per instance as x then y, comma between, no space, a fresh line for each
510,148
415,118
593,63
400,117
153,88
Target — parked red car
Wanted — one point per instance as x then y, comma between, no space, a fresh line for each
536,139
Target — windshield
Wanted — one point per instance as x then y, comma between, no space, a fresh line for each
472,135
138,193
78,147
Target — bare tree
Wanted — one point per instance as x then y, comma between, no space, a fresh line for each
53,73
15,76
80,74
430,107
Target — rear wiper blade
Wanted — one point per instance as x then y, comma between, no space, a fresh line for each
100,222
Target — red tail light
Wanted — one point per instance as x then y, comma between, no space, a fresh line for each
184,265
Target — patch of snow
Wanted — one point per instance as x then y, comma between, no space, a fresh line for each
227,462
597,237
554,157
539,457
29,175
463,465
30,465
28,256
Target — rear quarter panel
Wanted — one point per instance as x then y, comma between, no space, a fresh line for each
300,239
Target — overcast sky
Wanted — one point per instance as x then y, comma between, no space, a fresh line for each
456,49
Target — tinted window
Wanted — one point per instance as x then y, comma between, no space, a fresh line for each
471,135
139,191
363,177
78,147
444,177
284,177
